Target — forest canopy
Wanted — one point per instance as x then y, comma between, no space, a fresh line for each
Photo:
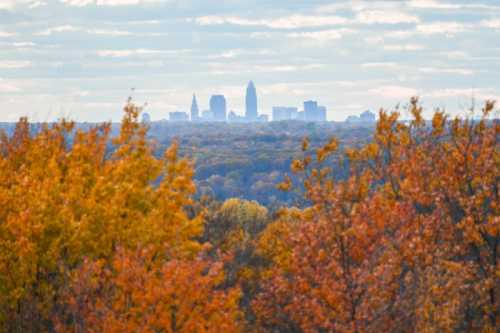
99,232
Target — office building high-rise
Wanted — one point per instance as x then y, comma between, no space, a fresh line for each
195,112
207,115
251,102
321,113
284,113
367,117
218,107
313,112
310,109
178,116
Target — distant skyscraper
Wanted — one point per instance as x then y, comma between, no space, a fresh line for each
207,115
301,115
284,113
232,117
195,112
367,117
313,112
178,116
218,107
263,118
310,110
321,113
251,102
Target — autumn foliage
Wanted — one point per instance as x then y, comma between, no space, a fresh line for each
409,242
98,239
99,235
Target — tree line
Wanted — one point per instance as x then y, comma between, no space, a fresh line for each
94,239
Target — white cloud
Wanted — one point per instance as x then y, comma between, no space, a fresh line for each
78,3
385,17
477,93
448,28
284,68
137,52
321,36
125,64
234,53
109,32
7,5
380,65
12,4
380,38
281,88
374,39
454,55
14,64
23,44
83,3
126,53
332,8
397,92
144,22
435,4
37,4
493,23
58,29
390,16
261,35
8,87
457,71
104,32
289,22
230,68
313,66
404,47
5,34
432,4
358,5
400,34
276,68
230,54
299,21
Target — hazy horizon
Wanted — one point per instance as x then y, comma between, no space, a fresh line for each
81,58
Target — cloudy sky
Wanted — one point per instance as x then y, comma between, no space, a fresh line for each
82,58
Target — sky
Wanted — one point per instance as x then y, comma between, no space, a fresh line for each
82,58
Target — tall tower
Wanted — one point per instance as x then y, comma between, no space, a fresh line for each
195,112
311,110
218,107
251,102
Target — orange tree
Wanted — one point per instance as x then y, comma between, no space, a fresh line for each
138,294
409,241
66,198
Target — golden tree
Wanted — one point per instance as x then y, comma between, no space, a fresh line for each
68,197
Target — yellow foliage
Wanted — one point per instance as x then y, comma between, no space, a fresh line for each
66,197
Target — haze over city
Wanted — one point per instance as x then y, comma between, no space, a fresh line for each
82,58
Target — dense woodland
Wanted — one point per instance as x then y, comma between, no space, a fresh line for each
244,161
248,160
389,229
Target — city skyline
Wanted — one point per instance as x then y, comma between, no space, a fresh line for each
82,58
218,110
